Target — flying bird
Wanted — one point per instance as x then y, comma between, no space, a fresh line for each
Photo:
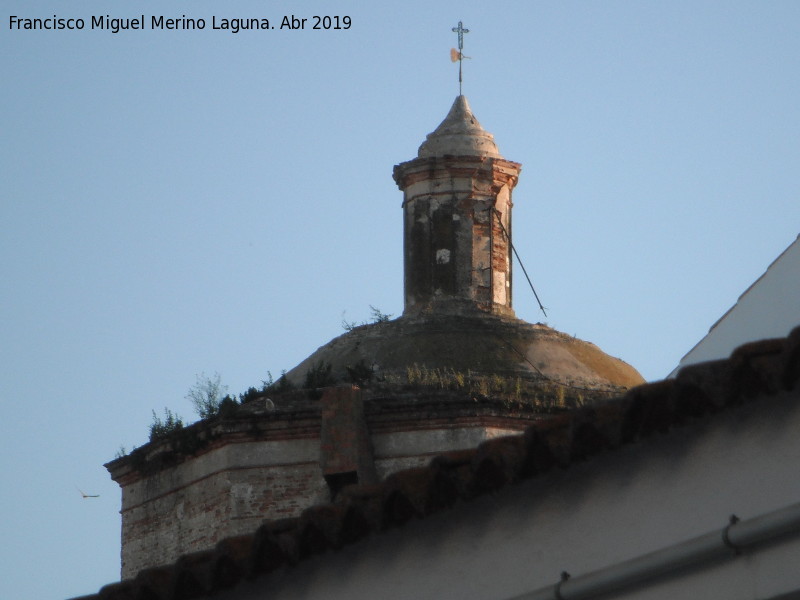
85,495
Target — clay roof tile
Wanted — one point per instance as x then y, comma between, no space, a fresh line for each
271,549
319,528
499,462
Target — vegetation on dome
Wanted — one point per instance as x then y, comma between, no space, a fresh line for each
508,393
376,317
538,393
160,429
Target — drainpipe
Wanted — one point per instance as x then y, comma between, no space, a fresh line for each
728,542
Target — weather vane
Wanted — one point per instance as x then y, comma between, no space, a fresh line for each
458,55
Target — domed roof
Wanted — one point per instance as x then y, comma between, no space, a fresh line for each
479,344
459,134
454,334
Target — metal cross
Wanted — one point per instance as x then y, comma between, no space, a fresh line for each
460,31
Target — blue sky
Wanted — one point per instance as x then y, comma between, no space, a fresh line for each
180,202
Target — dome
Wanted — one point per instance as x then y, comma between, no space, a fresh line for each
458,315
459,134
478,344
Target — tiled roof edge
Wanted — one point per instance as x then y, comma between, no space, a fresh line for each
754,371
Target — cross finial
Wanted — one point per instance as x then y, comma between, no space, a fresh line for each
460,31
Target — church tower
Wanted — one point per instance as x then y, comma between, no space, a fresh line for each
458,314
456,369
457,220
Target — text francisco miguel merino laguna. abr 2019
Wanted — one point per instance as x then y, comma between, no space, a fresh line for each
182,23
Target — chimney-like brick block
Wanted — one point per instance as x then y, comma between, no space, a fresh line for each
345,445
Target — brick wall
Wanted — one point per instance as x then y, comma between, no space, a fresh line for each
249,475
174,520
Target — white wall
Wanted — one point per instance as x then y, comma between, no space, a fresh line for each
769,308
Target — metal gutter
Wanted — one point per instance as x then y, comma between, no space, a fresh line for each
729,542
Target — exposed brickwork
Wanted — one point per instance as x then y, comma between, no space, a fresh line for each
345,444
202,513
457,252
266,465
